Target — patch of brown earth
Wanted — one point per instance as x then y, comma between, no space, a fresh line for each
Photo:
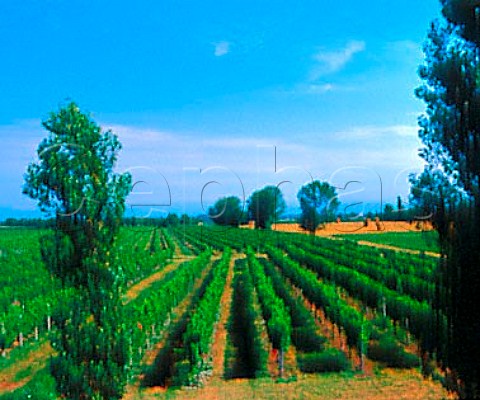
342,228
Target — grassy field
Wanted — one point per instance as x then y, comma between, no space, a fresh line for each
420,241
386,384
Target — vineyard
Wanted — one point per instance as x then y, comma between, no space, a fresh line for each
426,241
206,308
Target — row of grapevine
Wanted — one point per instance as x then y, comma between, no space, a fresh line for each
251,356
180,243
408,276
421,266
152,245
304,329
150,311
325,296
22,269
312,356
136,255
172,364
214,238
167,242
28,293
31,319
274,310
238,239
427,324
411,285
25,312
193,242
197,339
383,344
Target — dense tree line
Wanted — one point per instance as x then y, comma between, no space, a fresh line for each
30,222
448,190
171,220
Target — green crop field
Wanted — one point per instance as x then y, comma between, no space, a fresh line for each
419,241
249,313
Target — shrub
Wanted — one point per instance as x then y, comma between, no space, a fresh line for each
40,387
388,351
307,341
382,323
331,360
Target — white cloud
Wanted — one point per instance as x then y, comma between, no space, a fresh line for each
20,141
375,146
138,135
320,88
333,61
405,49
405,130
221,48
309,88
379,132
157,156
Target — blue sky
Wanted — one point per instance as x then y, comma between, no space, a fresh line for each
242,93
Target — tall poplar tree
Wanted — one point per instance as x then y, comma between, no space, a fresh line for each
74,181
449,187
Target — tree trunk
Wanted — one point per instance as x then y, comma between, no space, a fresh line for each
280,362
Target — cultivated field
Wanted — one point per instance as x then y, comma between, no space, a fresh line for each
233,313
357,227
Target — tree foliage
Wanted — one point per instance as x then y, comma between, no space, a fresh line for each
265,206
74,180
319,204
227,211
449,187
388,212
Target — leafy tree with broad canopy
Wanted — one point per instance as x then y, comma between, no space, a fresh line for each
265,206
227,211
319,204
74,181
449,187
